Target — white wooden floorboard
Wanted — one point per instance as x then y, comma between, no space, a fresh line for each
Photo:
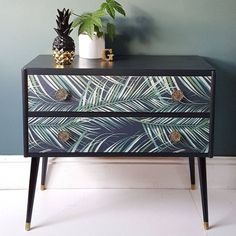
222,211
102,213
117,197
105,212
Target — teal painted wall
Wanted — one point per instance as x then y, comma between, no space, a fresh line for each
202,27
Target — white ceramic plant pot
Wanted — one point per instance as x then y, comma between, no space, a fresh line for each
91,48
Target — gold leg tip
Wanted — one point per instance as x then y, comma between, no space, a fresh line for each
193,186
42,187
27,226
206,225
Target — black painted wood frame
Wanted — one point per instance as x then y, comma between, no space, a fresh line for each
203,70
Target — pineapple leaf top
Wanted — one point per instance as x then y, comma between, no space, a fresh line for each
63,25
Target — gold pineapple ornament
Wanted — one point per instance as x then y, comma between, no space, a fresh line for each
63,45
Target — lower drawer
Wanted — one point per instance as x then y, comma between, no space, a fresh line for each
118,135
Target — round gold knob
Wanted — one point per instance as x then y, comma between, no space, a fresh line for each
175,136
63,136
61,95
177,95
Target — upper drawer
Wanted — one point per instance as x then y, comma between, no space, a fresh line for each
84,93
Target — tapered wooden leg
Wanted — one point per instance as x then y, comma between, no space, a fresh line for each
203,187
192,172
44,172
31,191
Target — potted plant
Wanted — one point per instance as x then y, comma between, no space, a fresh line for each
92,27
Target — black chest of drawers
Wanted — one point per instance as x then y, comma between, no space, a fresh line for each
138,106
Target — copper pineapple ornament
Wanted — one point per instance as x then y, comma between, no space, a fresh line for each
63,45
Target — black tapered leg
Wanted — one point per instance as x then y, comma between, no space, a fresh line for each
203,187
44,172
192,172
31,191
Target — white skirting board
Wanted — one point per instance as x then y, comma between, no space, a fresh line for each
117,173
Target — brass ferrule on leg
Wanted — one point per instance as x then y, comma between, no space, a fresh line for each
27,226
206,225
43,187
193,186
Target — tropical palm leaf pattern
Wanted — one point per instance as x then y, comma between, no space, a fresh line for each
118,134
119,93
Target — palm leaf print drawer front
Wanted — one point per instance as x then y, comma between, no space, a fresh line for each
118,135
78,93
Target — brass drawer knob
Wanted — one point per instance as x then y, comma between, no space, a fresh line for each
61,95
177,95
63,136
175,136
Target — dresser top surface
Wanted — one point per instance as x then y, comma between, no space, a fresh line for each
168,63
